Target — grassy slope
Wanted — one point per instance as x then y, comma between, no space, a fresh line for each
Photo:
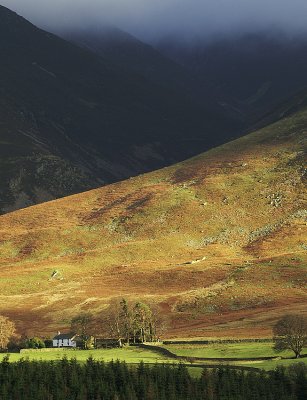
229,350
217,242
135,355
129,355
270,365
239,350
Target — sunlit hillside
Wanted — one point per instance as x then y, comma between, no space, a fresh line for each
218,243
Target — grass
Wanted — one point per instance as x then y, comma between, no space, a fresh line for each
134,355
231,350
237,350
195,372
270,365
129,355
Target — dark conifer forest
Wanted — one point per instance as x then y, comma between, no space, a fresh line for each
97,380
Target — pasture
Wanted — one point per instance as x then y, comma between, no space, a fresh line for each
236,354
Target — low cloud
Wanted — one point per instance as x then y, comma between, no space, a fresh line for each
153,19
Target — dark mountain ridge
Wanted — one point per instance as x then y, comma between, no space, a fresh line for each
257,71
72,120
123,49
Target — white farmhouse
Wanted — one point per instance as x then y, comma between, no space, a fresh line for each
64,340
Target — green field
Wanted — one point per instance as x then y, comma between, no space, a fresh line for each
227,350
128,354
237,350
132,355
270,365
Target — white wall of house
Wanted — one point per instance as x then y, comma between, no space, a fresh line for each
64,343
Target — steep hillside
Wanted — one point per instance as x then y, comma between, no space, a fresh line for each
125,50
254,72
70,120
217,242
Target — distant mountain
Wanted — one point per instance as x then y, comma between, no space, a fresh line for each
71,120
216,243
126,51
256,71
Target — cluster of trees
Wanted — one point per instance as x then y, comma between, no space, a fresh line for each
34,343
128,323
139,323
96,380
10,340
132,323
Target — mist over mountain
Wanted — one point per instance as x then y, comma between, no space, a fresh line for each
150,20
245,75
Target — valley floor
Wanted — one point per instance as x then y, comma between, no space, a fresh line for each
216,354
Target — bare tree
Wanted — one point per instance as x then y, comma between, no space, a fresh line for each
114,321
290,332
7,330
143,321
158,324
127,316
82,326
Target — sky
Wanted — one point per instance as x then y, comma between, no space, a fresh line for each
155,19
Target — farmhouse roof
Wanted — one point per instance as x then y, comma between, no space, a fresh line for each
62,336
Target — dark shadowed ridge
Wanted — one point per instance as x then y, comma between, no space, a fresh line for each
71,120
257,71
123,49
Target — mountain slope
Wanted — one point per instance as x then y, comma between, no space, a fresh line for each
124,49
217,242
256,71
77,117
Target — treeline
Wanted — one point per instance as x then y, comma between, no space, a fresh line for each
96,380
127,323
136,322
